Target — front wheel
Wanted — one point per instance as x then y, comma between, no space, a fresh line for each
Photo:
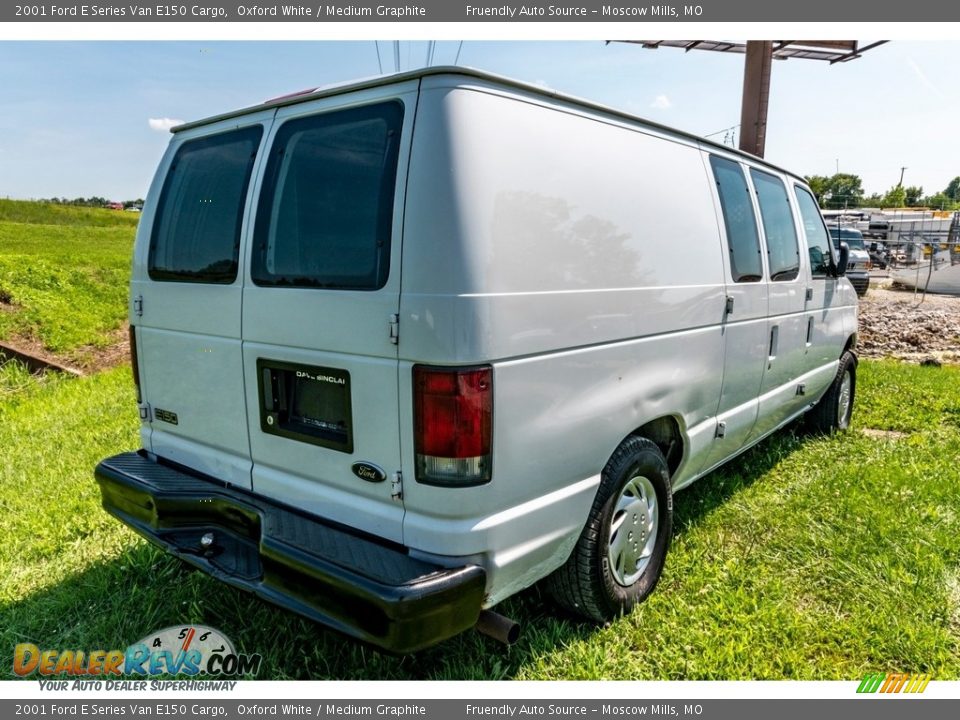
835,408
619,556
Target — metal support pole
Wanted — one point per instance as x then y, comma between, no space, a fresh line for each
756,96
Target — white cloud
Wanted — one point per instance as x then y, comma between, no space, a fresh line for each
661,102
163,124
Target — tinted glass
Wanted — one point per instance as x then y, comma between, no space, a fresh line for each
326,207
818,243
853,238
782,249
739,220
196,236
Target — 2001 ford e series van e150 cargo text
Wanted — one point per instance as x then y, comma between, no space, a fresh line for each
407,346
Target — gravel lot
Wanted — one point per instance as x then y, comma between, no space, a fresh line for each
896,323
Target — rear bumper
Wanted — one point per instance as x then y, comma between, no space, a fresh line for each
369,590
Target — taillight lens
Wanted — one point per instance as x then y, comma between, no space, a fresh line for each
134,364
453,424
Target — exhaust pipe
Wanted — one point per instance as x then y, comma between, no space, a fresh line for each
500,628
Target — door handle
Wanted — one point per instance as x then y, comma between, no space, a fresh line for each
774,341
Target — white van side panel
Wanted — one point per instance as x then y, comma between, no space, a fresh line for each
557,420
531,229
556,247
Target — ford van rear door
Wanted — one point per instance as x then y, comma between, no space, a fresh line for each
320,305
186,295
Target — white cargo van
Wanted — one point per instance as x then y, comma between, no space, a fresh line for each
407,346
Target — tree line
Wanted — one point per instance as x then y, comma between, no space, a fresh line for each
95,201
844,190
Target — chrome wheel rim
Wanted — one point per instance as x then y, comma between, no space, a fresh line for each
633,530
843,403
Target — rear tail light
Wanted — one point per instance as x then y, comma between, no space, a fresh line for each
134,364
452,424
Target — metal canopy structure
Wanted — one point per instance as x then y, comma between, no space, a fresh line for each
831,51
760,55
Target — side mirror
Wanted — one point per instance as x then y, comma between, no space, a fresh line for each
844,258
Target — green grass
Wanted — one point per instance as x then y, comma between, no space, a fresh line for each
40,213
806,558
64,275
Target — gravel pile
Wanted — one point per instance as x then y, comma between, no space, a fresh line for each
895,323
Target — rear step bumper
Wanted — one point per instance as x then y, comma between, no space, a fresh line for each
372,591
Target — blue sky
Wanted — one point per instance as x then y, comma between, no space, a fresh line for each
75,117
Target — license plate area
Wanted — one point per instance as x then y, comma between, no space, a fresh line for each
306,403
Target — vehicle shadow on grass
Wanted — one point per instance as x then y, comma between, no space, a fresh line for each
115,603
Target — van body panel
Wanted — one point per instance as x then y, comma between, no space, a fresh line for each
320,480
513,197
520,544
574,407
230,466
474,328
547,257
188,334
343,329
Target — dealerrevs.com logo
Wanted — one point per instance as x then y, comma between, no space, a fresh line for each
177,650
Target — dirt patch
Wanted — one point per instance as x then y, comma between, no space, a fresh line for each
37,362
83,360
6,301
93,359
895,323
883,434
953,598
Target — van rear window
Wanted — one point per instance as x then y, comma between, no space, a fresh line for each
196,236
326,207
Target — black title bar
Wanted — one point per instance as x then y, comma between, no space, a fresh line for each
445,11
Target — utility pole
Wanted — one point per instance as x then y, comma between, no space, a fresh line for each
900,184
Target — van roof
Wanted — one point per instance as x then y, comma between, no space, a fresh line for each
363,83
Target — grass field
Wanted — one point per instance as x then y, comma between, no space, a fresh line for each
64,273
806,558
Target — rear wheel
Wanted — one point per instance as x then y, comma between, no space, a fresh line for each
619,556
835,408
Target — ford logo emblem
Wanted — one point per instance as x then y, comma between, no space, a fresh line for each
368,471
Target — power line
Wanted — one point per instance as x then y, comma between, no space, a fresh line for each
725,130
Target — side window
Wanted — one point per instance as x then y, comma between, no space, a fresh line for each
782,248
818,241
326,207
196,234
739,220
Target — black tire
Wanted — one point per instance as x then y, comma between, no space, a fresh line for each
589,584
833,412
